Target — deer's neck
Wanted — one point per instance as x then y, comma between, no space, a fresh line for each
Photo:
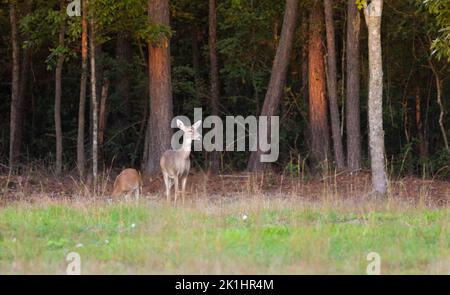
185,149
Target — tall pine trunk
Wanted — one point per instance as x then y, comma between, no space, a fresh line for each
160,85
318,117
15,104
375,106
277,81
214,73
352,88
58,77
332,86
83,86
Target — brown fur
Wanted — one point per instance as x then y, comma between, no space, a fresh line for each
128,181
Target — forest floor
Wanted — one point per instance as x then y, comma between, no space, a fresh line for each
230,224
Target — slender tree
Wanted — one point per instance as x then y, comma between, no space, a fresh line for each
352,88
372,14
439,92
160,86
13,147
102,118
58,76
278,76
83,86
422,139
318,120
93,101
332,85
214,73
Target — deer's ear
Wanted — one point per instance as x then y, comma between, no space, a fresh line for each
180,124
197,124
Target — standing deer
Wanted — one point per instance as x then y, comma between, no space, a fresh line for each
175,164
127,182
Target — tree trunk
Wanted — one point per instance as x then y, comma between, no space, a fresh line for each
439,91
83,85
15,105
58,76
196,58
318,120
352,88
278,76
123,84
375,106
160,89
332,86
214,72
304,58
423,144
94,104
102,118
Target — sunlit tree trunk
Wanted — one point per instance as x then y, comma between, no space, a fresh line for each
277,81
332,86
214,73
318,119
375,105
352,88
58,77
83,86
160,89
102,119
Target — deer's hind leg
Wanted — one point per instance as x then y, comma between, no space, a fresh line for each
176,188
137,192
183,186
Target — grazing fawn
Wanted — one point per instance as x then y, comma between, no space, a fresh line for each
175,164
127,182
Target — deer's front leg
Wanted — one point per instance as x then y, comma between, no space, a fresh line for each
167,184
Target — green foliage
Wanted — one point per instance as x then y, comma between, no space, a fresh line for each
360,3
441,11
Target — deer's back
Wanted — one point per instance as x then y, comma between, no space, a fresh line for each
127,181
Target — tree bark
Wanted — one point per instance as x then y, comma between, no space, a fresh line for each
83,86
214,73
373,14
332,86
352,88
278,76
94,103
160,89
15,105
318,119
58,77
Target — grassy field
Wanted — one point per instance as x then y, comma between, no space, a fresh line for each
254,234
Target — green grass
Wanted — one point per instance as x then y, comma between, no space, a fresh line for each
279,236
